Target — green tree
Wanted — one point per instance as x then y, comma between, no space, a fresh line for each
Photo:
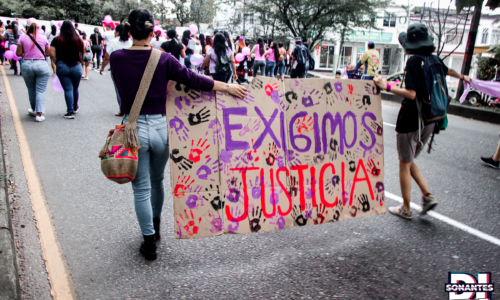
182,11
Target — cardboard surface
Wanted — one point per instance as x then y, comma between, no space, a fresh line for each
295,153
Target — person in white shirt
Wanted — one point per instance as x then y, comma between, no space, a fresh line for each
157,40
108,36
122,41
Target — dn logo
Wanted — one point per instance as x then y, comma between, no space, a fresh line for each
463,285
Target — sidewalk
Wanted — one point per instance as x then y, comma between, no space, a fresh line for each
9,280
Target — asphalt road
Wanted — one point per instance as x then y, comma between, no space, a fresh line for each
381,257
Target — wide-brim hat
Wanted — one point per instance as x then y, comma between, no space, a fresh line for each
416,37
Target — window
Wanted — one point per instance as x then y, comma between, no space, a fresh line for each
250,19
484,38
495,37
345,58
389,20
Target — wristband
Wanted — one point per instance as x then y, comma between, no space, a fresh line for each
388,87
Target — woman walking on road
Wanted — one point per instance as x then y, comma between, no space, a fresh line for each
97,45
219,54
186,40
127,69
122,42
272,57
412,132
157,40
87,57
50,37
12,36
260,58
173,46
67,51
35,47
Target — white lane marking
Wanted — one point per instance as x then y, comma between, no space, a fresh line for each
449,221
389,124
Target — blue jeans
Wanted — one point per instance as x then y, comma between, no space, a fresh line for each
148,186
187,61
117,94
70,78
279,66
36,75
224,77
270,65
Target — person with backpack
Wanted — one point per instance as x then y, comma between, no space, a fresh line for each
221,60
417,118
370,60
87,57
300,56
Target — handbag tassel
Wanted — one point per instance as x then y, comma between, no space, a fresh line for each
131,138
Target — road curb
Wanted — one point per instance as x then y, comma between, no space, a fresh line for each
458,110
9,276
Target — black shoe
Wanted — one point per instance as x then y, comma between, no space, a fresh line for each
156,224
148,247
69,115
490,162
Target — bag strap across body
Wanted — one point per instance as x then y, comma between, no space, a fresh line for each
38,46
131,137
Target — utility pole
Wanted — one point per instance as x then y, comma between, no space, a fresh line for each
244,19
469,50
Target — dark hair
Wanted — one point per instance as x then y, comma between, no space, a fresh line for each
108,26
260,41
15,29
76,25
69,43
171,33
96,30
215,32
247,43
43,27
220,46
426,51
8,22
1,23
140,23
186,35
33,30
158,34
228,39
84,35
276,52
123,33
53,30
202,43
208,41
280,44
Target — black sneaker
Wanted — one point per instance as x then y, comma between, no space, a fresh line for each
69,115
490,162
156,225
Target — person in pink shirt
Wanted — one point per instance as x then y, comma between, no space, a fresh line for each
34,47
272,55
260,57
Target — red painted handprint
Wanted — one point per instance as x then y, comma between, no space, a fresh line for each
182,185
196,151
305,125
188,223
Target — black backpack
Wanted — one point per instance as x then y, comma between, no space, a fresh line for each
223,64
301,55
312,63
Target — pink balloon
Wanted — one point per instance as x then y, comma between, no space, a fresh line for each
108,19
8,54
245,51
193,28
240,57
15,57
196,59
13,48
59,24
56,84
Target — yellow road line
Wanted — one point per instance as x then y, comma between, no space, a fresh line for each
60,280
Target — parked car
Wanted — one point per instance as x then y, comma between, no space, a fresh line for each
396,77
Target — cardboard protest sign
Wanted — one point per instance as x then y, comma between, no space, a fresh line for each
302,152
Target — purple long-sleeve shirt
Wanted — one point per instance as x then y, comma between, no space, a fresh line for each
127,68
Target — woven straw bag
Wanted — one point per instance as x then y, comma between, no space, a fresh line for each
119,156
